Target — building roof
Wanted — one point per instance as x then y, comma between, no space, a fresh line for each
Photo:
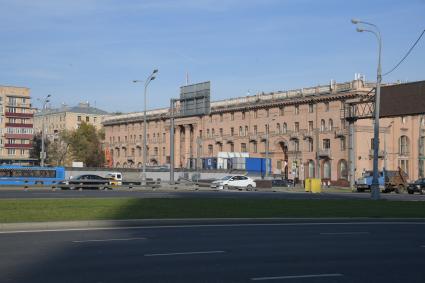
83,108
320,92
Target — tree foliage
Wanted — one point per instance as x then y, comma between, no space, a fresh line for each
85,145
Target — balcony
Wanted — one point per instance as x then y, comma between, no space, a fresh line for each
340,133
325,153
19,125
294,152
18,115
19,136
294,135
308,135
381,153
17,145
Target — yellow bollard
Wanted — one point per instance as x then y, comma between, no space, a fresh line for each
316,185
307,185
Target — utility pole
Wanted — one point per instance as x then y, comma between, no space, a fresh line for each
43,153
172,142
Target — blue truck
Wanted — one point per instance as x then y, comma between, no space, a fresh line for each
389,181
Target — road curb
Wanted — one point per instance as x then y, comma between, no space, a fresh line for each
86,224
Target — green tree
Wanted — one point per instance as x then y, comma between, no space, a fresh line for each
36,146
58,153
85,144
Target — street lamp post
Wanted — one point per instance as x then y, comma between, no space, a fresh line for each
43,153
150,78
375,181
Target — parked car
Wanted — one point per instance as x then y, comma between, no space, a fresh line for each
236,181
418,186
86,181
282,183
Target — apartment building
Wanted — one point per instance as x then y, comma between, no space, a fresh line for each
16,125
68,118
303,128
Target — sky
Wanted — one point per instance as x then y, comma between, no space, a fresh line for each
92,50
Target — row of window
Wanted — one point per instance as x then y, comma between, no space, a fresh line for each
79,119
280,129
267,112
27,131
133,138
155,153
13,151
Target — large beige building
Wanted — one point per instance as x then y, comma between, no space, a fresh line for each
16,125
68,118
308,136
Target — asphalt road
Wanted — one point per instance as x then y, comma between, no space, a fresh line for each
159,193
274,252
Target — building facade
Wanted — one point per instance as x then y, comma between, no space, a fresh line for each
67,118
302,131
16,125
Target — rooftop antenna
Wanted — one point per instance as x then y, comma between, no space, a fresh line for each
187,78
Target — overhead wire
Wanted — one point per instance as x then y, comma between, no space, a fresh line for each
405,56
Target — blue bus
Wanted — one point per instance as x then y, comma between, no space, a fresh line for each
29,175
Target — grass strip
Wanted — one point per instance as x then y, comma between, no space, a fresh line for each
38,210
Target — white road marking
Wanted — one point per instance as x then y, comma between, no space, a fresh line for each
209,225
108,240
345,233
187,253
297,276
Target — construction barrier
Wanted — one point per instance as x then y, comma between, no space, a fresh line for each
312,185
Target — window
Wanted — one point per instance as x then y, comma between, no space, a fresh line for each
343,144
232,147
342,170
208,132
220,147
296,144
255,129
255,114
404,145
278,128
284,128
79,118
310,146
254,147
221,132
297,109
212,132
163,151
311,170
221,117
240,131
87,119
281,110
232,131
243,115
322,125
310,108
246,130
11,151
330,124
296,127
326,106
232,116
327,169
404,165
310,126
326,144
243,147
403,120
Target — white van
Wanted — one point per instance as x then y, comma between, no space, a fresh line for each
115,177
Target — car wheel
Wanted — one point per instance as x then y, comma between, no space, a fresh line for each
400,189
249,188
422,191
410,192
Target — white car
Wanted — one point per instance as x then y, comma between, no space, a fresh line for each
237,181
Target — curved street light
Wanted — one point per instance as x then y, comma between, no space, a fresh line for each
150,78
43,153
375,181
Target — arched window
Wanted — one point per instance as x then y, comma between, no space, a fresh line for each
139,165
278,128
284,128
118,165
342,169
124,165
403,145
322,125
240,131
327,169
330,124
311,169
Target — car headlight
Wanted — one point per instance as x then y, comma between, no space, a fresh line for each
418,186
